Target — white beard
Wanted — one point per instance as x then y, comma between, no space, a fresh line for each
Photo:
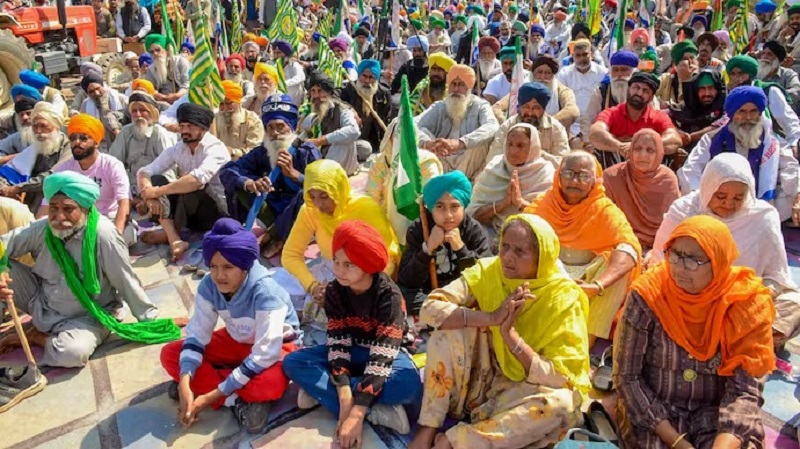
73,228
48,145
747,139
263,92
142,129
160,65
368,93
456,106
765,69
274,146
231,120
486,68
25,134
235,78
619,90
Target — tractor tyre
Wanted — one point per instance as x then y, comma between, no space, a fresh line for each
15,56
113,65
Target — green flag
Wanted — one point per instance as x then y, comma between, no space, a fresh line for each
284,27
205,85
166,28
406,175
236,27
342,19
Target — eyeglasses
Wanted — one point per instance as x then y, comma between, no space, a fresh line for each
582,176
689,263
78,136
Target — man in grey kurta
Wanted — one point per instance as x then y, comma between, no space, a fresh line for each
61,324
460,128
169,74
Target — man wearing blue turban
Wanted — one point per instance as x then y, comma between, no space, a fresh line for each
417,68
41,83
372,102
749,133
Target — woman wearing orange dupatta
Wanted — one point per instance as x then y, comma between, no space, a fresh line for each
693,345
598,246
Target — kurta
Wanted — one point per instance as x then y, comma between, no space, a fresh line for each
240,139
135,152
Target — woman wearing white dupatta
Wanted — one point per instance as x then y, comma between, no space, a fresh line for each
511,180
727,193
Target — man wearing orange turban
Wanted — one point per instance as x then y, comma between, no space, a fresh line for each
238,128
460,128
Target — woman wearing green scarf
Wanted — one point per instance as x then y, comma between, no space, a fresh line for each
511,349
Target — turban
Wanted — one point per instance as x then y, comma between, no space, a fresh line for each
81,189
523,18
460,18
489,42
339,43
640,32
362,244
537,29
498,7
447,12
436,22
86,124
794,9
417,24
649,61
711,38
236,244
321,80
145,58
188,46
745,63
372,65
24,104
625,58
580,28
723,36
441,60
127,56
91,78
143,85
157,39
701,20
418,41
476,9
34,79
610,3
262,68
534,91
90,67
777,49
148,101
361,31
513,8
462,72
233,91
706,79
455,183
508,53
25,91
283,47
194,114
261,41
250,37
680,49
765,6
519,27
646,78
629,23
49,112
247,45
735,4
236,57
688,32
545,60
742,95
279,107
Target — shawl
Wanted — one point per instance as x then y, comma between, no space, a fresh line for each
606,229
733,314
553,324
535,177
756,227
643,195
764,160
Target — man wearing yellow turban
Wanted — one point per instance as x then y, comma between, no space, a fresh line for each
238,128
169,73
434,87
265,79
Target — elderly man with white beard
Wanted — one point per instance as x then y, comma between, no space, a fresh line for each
749,134
438,38
372,101
582,76
104,104
613,90
265,79
21,128
141,141
168,73
460,128
770,71
49,147
488,65
234,67
332,125
293,73
273,170
239,129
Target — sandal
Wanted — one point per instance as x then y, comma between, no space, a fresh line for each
601,424
601,380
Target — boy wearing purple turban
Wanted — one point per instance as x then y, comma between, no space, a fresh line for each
240,365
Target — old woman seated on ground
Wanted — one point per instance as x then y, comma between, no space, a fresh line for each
510,349
693,345
727,193
598,246
642,187
511,180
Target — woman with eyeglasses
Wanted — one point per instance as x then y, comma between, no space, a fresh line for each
727,193
693,345
598,246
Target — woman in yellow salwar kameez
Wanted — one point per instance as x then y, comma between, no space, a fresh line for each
510,350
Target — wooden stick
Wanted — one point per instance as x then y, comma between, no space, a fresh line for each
423,216
21,332
371,111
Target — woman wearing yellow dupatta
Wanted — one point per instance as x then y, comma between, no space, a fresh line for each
328,203
510,350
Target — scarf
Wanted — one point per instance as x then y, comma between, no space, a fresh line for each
553,324
152,332
763,160
644,196
733,314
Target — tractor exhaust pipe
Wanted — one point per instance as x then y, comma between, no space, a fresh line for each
61,6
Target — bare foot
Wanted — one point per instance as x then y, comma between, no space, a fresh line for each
181,321
441,442
272,249
11,341
423,439
156,237
178,248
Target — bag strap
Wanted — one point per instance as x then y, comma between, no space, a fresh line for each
591,435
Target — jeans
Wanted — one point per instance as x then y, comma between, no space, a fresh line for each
308,368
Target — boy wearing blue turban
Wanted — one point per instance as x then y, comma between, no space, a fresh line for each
239,365
455,242
372,101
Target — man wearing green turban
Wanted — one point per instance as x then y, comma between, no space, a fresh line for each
684,59
82,273
438,37
169,73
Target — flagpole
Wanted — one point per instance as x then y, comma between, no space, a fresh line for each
423,217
